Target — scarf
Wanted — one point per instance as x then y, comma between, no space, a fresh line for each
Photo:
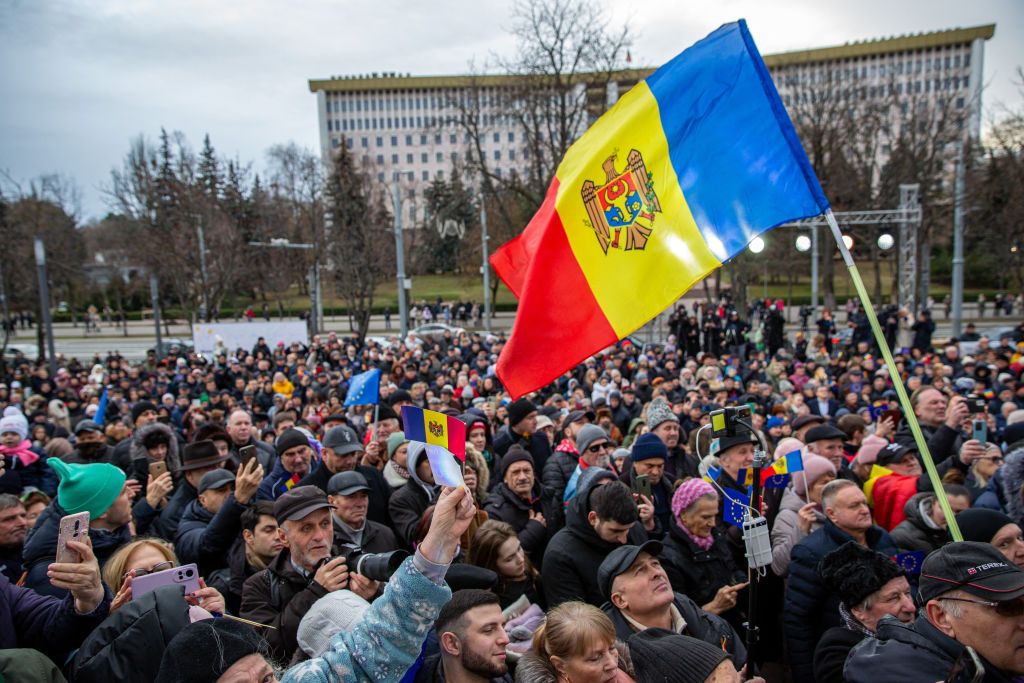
704,543
23,452
851,622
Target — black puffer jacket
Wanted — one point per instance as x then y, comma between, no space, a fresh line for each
696,572
129,644
574,553
504,505
557,472
914,532
536,444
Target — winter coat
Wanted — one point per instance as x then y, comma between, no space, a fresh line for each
105,454
265,453
166,523
432,671
536,444
380,492
41,548
43,622
695,572
1011,476
909,653
387,639
376,538
279,596
533,669
809,608
37,473
575,552
701,625
11,564
831,653
680,465
890,496
406,507
205,538
129,645
478,462
504,505
273,484
915,532
786,531
139,456
558,470
662,493
942,441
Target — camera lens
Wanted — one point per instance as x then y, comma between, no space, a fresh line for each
189,572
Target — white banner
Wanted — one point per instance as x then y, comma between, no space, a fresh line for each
208,336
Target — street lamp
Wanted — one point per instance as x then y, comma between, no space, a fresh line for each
886,241
848,241
316,315
803,243
756,245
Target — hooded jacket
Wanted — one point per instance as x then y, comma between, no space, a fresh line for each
205,538
41,548
909,653
809,608
408,503
917,531
504,505
575,552
786,531
139,455
128,646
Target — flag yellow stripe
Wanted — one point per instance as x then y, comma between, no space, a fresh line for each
632,286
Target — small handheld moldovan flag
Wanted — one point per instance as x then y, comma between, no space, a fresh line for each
676,179
444,438
364,389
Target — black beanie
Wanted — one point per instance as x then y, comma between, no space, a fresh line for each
981,524
513,455
290,439
141,407
519,410
659,655
386,412
854,572
204,650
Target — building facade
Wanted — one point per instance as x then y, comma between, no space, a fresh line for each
407,126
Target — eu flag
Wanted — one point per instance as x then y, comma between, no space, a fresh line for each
910,562
364,389
735,508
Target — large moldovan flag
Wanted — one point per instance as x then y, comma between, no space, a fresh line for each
677,178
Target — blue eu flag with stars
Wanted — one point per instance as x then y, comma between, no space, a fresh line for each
735,508
364,389
910,562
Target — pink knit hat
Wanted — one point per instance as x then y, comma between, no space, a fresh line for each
870,447
815,467
788,445
689,491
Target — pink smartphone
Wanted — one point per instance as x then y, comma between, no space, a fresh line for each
72,528
186,575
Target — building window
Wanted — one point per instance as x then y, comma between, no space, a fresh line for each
455,156
408,141
394,141
366,142
380,159
380,141
440,158
497,137
511,136
334,143
423,158
452,139
408,158
419,121
497,155
511,155
426,175
394,159
437,138
380,177
423,139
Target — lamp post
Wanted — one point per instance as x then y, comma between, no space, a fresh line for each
44,301
316,322
756,246
403,307
485,269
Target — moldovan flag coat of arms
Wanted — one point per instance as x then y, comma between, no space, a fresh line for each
675,179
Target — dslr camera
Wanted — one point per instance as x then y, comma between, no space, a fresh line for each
374,566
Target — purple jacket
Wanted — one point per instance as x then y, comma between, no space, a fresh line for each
45,623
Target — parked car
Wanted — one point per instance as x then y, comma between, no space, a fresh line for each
435,331
176,345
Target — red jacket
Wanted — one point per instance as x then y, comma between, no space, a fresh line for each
891,493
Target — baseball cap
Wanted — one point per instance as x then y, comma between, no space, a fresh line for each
346,483
342,440
87,426
619,560
894,452
214,480
975,568
299,502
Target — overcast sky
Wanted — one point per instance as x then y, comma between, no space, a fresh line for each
80,78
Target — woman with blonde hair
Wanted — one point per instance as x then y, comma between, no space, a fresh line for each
147,556
496,547
576,644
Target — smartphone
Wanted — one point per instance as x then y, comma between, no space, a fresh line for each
979,431
245,454
896,415
642,485
72,528
157,468
967,668
186,575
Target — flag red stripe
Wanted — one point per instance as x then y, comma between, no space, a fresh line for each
559,322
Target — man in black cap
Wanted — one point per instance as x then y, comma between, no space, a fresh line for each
995,528
349,494
522,430
639,596
870,586
376,451
302,573
516,500
659,655
91,446
804,423
827,441
972,598
212,522
294,456
197,459
341,451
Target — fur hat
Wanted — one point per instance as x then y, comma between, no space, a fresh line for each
854,572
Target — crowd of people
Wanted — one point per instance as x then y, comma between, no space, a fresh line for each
237,521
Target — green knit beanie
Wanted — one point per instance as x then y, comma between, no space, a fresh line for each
394,441
89,488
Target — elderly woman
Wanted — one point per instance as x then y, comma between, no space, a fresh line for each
696,556
575,644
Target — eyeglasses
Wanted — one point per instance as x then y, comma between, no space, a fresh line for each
596,448
158,567
1010,608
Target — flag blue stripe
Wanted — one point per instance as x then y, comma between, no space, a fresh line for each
413,423
734,150
364,389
